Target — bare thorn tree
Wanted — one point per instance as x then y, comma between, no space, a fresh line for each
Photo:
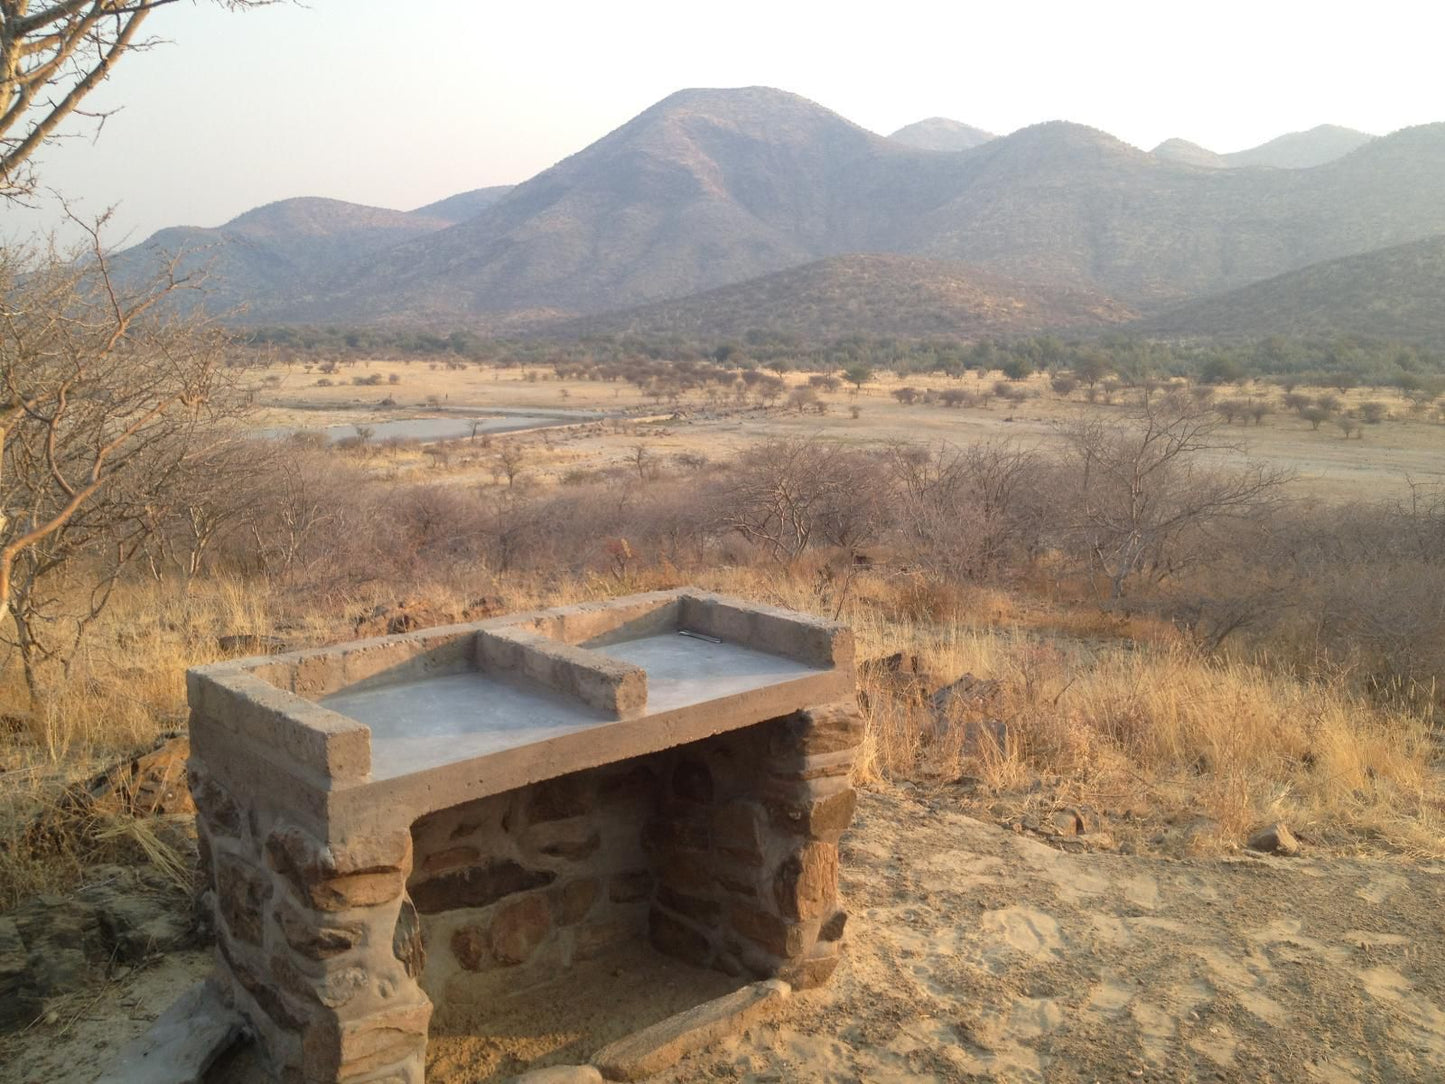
1146,485
106,398
53,55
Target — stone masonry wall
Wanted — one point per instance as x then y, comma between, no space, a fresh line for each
746,846
723,852
512,888
318,945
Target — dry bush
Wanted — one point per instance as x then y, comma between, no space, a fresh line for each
789,495
1119,707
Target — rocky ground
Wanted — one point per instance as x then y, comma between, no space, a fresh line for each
976,952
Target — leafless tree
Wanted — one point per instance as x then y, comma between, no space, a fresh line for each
510,459
788,495
53,54
106,397
641,460
964,510
1145,485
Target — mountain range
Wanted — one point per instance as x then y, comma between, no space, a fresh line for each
1294,150
712,188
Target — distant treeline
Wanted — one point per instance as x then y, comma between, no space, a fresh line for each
1338,361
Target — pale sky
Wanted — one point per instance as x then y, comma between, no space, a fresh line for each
397,104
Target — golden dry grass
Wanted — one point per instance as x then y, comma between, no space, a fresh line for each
1140,727
1115,712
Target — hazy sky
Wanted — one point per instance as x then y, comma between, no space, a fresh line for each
400,103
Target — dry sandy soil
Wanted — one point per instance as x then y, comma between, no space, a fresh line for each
975,953
1323,462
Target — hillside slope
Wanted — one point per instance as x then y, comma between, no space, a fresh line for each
1393,293
277,255
1063,201
1302,150
464,205
704,188
903,296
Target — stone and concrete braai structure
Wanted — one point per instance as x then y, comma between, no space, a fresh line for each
404,830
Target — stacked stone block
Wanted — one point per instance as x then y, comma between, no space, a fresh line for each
515,887
746,846
319,945
342,900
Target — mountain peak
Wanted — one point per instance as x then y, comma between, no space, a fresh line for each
734,102
315,216
1302,150
1062,142
1184,153
941,134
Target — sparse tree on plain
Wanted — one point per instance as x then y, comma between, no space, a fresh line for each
1144,486
858,375
510,458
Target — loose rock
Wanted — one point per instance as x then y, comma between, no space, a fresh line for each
1276,839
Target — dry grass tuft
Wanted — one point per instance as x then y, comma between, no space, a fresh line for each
1123,718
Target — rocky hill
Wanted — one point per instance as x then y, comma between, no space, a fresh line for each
1295,150
1184,153
276,255
1302,150
705,188
873,294
1392,294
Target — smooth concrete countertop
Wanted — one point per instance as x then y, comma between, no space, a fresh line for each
416,725
377,732
683,670
436,720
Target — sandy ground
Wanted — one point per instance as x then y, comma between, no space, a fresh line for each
1325,464
564,1022
82,1032
975,953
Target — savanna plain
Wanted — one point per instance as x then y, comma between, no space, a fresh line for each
1153,781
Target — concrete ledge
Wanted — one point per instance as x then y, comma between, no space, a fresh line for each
654,1049
392,803
263,711
292,729
807,639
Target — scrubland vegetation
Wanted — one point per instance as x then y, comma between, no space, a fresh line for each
1339,362
1130,618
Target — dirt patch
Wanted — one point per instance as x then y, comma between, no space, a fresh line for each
978,953
82,1032
975,952
627,988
